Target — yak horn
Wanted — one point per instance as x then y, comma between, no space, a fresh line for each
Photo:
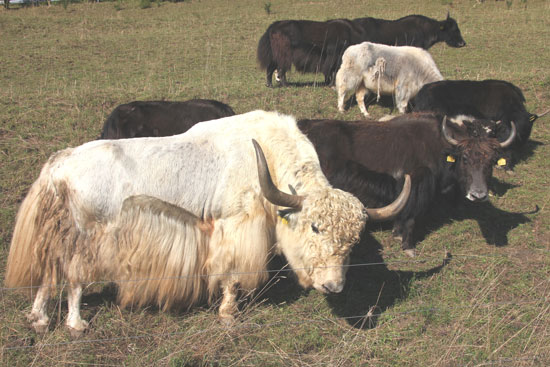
451,141
390,211
269,190
510,140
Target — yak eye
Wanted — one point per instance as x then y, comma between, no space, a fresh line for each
314,228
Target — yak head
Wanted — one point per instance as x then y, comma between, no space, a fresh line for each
472,158
316,231
450,33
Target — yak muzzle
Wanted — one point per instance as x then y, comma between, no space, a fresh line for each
477,195
331,287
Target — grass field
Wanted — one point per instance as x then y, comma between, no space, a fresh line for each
476,295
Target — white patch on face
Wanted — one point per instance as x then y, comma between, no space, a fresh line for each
459,119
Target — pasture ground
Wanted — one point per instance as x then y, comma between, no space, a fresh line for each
476,295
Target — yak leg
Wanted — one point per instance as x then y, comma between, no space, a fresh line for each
341,97
407,243
401,98
38,316
360,97
281,73
402,231
74,322
329,78
269,74
228,306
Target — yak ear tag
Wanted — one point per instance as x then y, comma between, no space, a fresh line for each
501,162
451,159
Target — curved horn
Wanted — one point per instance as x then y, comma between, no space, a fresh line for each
390,211
269,190
451,141
510,140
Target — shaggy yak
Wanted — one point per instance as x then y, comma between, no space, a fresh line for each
180,219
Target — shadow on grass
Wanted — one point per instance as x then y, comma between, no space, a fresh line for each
526,151
493,222
371,290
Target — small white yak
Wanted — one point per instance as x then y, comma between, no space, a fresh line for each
390,70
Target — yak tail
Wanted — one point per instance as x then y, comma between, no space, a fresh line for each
161,253
264,53
533,117
40,226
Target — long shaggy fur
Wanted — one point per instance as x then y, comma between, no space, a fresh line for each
43,219
161,254
264,54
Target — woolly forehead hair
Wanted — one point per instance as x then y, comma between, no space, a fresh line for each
485,147
335,213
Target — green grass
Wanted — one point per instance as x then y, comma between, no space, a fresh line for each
62,72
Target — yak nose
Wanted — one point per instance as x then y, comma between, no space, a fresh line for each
333,287
461,44
477,195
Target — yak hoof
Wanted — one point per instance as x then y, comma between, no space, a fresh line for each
77,330
227,319
410,252
40,326
75,333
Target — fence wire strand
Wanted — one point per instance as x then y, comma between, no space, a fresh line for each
424,260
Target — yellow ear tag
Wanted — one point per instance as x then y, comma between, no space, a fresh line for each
284,220
451,159
501,162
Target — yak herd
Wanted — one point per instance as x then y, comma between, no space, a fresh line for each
192,212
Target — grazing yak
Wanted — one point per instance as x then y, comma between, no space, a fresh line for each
395,70
496,100
439,161
160,118
183,218
313,46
